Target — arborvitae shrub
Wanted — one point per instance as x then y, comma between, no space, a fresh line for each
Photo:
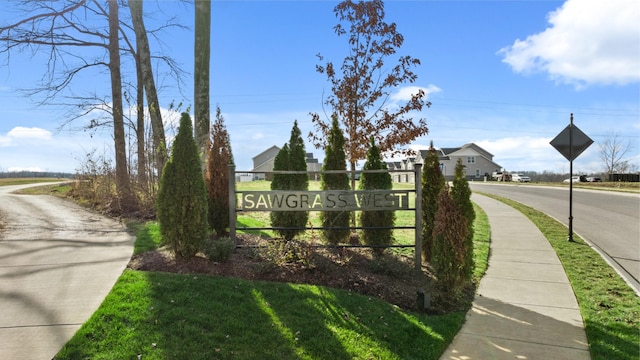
182,196
449,233
292,157
432,185
461,196
335,159
382,218
217,175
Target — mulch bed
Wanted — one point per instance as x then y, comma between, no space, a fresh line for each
389,277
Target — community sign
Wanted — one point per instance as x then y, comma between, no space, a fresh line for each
329,200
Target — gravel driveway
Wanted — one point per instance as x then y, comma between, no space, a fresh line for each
57,263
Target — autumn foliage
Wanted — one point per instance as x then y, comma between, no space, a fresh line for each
217,175
362,84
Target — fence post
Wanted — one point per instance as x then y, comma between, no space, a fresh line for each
232,203
418,181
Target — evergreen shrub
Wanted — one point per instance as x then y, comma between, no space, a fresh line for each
219,250
182,198
449,234
432,184
461,196
377,218
336,222
292,157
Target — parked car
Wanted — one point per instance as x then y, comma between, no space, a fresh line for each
576,179
501,176
520,178
594,179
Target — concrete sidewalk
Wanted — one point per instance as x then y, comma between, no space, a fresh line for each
525,307
58,261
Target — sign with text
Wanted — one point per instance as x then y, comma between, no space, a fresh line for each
328,200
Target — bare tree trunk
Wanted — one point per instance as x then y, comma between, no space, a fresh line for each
123,188
140,128
353,187
201,76
144,56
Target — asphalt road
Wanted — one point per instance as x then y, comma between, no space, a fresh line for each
609,220
58,261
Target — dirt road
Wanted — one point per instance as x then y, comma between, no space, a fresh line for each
57,263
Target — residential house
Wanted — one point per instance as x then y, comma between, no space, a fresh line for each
395,166
477,162
313,167
264,162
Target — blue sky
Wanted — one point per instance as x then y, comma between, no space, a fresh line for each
503,74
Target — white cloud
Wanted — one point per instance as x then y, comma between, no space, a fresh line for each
587,42
523,153
20,134
4,141
405,93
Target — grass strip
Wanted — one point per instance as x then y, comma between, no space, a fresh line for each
481,242
609,307
147,236
21,181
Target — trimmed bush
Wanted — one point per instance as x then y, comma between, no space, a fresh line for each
432,185
219,250
182,198
461,196
335,159
382,218
292,157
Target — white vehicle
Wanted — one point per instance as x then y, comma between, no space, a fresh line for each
576,179
520,178
501,176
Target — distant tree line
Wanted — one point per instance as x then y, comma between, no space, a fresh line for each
35,174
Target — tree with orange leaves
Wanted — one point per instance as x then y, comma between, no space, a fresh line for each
362,85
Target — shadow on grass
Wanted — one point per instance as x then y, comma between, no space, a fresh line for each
172,316
612,343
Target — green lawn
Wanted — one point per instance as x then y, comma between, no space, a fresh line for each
181,316
172,316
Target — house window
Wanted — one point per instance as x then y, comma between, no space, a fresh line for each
471,159
477,173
